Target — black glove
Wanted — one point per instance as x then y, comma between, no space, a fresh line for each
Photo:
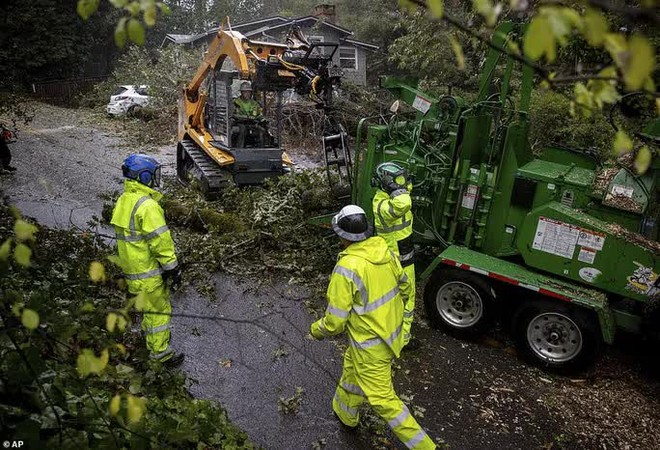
392,186
175,275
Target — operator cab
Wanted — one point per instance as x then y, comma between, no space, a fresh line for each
253,139
235,127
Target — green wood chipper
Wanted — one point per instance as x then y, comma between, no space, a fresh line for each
565,245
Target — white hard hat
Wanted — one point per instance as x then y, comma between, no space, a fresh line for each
351,223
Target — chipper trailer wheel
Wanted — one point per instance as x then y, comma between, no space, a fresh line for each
459,302
556,336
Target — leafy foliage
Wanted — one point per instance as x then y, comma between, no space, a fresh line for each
252,230
52,334
46,39
434,52
551,125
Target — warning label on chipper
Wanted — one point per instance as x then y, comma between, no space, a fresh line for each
469,197
559,238
591,239
587,256
421,104
555,237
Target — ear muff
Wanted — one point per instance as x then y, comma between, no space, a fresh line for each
400,180
145,177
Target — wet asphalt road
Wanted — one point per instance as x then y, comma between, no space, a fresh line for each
473,395
250,366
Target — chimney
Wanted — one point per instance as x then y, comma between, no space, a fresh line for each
325,12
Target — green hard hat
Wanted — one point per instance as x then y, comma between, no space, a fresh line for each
389,172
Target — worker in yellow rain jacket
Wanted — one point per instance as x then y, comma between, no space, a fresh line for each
365,298
394,222
146,251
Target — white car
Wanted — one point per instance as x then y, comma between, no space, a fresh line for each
127,98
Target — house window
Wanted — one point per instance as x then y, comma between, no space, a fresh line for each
348,58
316,40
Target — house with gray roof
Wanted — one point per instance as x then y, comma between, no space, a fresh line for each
351,54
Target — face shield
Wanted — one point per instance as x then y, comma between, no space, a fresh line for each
156,177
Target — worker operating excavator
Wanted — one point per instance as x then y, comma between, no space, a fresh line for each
248,120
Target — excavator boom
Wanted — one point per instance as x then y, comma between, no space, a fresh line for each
206,151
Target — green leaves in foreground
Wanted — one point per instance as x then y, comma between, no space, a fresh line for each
88,363
128,27
135,407
30,319
23,232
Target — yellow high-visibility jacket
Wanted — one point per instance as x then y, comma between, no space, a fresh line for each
366,294
144,242
247,108
394,219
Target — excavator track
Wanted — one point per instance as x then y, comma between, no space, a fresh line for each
194,165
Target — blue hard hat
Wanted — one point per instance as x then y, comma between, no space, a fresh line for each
142,168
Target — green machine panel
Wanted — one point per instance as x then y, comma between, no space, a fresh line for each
561,240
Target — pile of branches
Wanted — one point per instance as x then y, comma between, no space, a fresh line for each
303,121
251,230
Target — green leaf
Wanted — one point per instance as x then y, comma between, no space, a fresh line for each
622,143
604,91
118,3
97,272
86,8
30,319
114,405
641,63
437,7
164,8
595,27
539,40
136,31
22,255
458,52
135,408
115,320
88,363
407,5
5,249
110,322
24,231
487,10
120,33
616,45
562,21
133,8
643,160
150,13
122,351
583,99
17,308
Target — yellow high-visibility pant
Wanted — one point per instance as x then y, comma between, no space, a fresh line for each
157,326
409,307
369,378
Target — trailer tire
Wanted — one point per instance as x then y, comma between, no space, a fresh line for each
556,336
459,302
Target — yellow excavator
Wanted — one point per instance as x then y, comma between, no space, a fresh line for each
210,130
